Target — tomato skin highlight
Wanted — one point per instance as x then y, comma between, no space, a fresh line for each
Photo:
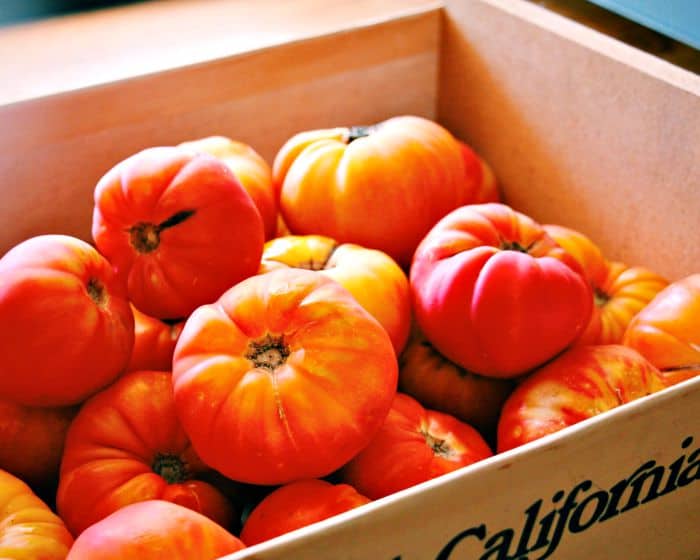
285,377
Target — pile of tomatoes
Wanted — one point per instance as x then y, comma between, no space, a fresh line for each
245,349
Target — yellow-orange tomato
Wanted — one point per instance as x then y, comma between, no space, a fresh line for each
29,530
667,330
371,276
32,441
580,383
154,530
298,504
154,343
440,384
619,291
250,168
285,377
381,187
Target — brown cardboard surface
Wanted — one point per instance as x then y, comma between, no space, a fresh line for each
55,149
581,129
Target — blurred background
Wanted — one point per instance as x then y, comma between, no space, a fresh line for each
16,11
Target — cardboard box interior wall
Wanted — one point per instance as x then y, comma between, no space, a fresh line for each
581,130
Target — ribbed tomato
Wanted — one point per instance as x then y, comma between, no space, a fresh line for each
250,169
154,530
178,228
667,330
298,504
494,293
619,291
381,187
581,383
29,530
67,329
285,377
414,445
372,277
126,445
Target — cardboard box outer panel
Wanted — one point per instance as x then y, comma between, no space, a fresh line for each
581,130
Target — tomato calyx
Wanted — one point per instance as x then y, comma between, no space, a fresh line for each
600,298
439,446
145,236
171,468
356,132
506,245
268,352
97,292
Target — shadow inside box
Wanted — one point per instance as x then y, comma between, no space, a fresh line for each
14,11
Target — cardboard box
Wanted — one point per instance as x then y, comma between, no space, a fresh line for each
581,130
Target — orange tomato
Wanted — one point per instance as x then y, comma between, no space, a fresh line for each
154,530
667,330
250,169
32,441
154,343
285,377
126,445
67,329
481,181
580,383
414,445
298,504
619,291
178,228
372,277
381,187
29,530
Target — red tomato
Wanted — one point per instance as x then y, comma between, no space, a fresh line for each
154,343
178,228
667,330
381,187
154,530
439,384
413,445
583,382
67,329
372,277
298,504
126,445
494,293
32,441
250,169
285,377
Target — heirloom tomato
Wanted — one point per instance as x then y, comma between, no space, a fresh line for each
371,276
482,185
29,530
667,331
154,530
298,504
67,329
494,293
619,291
285,377
439,384
154,342
178,228
250,169
581,383
126,445
32,441
381,186
414,445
